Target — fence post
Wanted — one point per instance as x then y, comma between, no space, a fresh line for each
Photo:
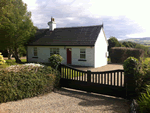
89,78
59,69
130,86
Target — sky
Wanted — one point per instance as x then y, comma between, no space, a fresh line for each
122,19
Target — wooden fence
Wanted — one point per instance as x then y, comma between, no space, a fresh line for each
107,82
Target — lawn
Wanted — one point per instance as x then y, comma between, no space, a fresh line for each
148,59
11,62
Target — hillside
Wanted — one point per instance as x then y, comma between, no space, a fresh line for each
144,41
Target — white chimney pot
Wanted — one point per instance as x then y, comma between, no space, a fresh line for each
52,24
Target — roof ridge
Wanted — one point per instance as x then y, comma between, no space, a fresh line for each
43,29
80,27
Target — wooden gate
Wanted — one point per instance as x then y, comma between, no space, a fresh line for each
108,82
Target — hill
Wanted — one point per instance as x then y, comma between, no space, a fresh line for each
144,41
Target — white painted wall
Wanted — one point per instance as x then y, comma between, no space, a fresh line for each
95,56
89,56
44,54
100,50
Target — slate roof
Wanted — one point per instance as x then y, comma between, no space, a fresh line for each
71,36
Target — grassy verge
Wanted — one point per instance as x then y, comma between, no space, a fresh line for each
12,62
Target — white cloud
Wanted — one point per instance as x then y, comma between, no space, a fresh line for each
139,35
121,17
31,4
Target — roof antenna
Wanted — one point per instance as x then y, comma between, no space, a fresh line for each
51,18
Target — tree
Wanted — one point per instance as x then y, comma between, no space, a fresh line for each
113,42
129,44
16,26
146,49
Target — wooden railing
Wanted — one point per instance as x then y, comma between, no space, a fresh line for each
117,80
114,78
69,72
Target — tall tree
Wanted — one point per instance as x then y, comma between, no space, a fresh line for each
16,26
113,42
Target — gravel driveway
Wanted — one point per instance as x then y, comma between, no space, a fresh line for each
67,101
107,67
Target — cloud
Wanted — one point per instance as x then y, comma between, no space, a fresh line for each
121,19
139,35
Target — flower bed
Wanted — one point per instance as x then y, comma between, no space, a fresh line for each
28,66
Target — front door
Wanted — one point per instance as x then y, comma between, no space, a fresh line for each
68,55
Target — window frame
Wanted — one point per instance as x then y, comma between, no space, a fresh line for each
52,51
35,50
84,53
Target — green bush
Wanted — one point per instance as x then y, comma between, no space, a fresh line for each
2,61
120,54
130,64
27,82
129,71
142,75
144,102
55,60
141,71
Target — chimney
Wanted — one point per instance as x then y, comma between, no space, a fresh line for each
52,24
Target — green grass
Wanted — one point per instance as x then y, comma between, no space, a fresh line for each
147,45
70,73
148,59
12,62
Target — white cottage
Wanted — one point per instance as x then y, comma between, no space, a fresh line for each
83,46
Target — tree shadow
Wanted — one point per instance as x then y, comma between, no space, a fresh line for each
92,99
22,62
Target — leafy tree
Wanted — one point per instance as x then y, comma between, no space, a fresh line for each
129,44
113,42
2,61
146,49
16,26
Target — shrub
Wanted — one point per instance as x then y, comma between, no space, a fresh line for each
142,75
23,81
147,88
55,60
144,102
120,54
2,61
130,64
129,70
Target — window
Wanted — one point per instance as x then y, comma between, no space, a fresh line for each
82,54
54,51
35,51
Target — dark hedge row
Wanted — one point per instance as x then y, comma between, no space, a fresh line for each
24,84
119,54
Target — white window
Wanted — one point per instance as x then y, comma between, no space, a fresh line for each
82,54
54,51
35,51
